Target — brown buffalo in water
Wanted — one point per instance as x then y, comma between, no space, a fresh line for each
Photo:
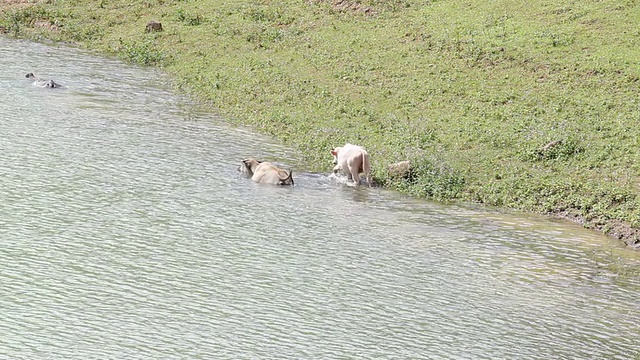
265,172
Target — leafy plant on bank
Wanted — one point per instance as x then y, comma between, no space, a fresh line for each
142,52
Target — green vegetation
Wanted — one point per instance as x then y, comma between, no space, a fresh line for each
529,106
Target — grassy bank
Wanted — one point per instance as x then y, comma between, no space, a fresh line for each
524,106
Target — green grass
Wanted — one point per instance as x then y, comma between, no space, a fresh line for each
471,92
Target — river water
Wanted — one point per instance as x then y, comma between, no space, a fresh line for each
126,232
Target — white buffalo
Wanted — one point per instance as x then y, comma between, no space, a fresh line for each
265,172
352,160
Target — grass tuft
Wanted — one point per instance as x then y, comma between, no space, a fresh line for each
142,52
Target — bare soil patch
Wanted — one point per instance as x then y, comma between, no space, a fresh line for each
614,228
351,6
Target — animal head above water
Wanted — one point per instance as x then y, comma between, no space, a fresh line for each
248,166
288,180
335,152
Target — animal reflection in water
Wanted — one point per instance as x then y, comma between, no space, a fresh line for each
41,82
265,172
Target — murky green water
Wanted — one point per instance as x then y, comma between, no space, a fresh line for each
126,232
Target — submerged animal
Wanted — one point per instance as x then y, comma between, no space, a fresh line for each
352,160
41,82
265,172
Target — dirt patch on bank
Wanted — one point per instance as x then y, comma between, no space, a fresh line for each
17,4
613,228
349,6
22,4
624,232
14,3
